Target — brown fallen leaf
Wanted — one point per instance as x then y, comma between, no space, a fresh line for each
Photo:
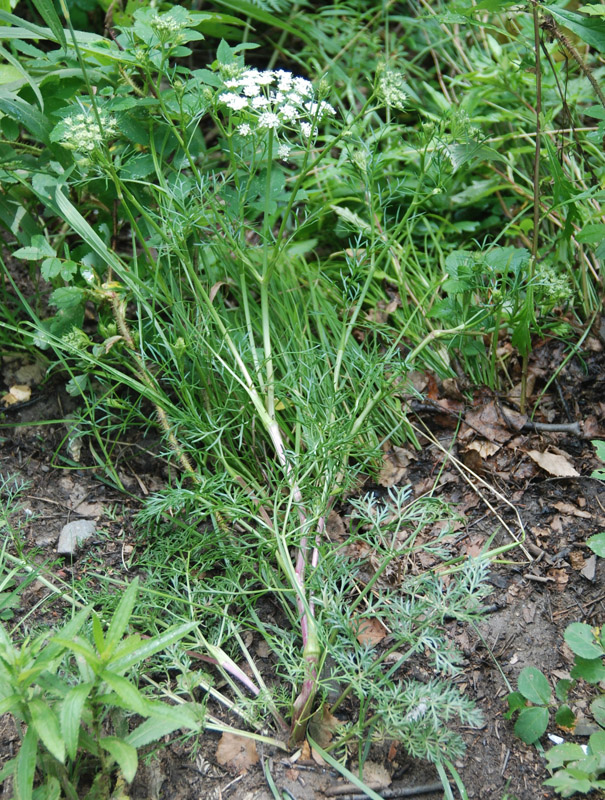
368,630
568,508
554,464
18,393
237,753
483,447
322,726
395,465
576,559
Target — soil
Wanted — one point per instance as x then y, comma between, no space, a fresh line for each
538,588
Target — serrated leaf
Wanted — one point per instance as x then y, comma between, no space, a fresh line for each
580,638
597,544
597,708
47,727
67,297
591,670
124,753
26,765
531,724
121,616
70,716
151,646
127,692
562,753
38,248
534,686
162,722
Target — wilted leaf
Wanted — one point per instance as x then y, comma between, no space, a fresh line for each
17,394
369,631
322,726
554,464
236,752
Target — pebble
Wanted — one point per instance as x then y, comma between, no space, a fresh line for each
74,534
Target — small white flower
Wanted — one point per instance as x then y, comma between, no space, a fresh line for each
264,78
283,151
260,102
233,83
268,120
289,112
234,101
244,129
303,86
306,129
251,89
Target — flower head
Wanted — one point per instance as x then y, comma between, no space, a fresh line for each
273,100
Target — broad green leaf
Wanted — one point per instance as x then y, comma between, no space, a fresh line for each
516,702
39,248
592,670
568,782
10,703
26,765
596,743
597,544
82,648
47,727
562,753
127,692
67,297
50,790
121,616
164,719
598,710
562,689
534,686
151,646
124,753
71,716
48,13
590,29
580,638
531,724
565,718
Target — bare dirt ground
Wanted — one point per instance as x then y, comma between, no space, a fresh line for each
551,581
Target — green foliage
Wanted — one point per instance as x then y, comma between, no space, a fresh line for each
574,768
67,688
236,232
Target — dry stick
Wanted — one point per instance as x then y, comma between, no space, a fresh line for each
401,791
535,233
551,26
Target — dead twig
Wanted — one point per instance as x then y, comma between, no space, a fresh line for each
400,791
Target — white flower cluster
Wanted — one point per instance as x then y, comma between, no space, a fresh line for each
82,131
274,100
166,23
390,89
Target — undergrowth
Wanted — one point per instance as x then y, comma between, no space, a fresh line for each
248,249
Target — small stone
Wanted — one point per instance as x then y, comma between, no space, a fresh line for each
74,534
